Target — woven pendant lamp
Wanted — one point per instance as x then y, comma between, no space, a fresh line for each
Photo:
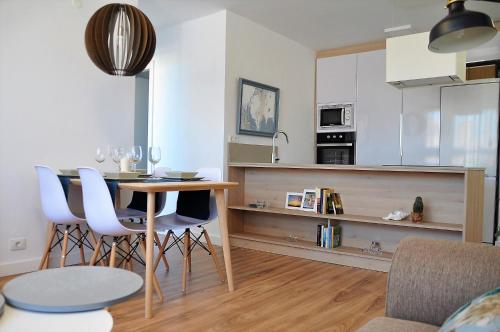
120,39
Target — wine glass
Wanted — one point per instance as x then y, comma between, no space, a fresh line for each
118,153
135,156
100,154
154,156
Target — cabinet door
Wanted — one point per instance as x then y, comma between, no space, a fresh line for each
421,126
377,113
336,79
469,126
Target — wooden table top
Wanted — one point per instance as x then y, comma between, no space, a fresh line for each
153,187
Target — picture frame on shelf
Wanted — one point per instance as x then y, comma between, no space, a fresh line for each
258,109
294,201
309,200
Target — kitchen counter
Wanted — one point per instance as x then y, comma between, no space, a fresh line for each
413,169
453,208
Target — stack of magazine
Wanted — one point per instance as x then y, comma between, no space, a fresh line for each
328,201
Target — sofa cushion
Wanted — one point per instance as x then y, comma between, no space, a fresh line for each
431,279
481,314
386,324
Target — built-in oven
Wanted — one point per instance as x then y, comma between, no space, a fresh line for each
336,148
335,117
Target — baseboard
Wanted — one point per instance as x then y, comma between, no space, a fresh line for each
30,265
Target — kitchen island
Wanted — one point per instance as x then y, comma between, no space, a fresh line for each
453,208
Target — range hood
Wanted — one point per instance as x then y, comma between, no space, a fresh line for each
410,63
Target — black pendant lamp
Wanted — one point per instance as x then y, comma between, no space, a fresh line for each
461,29
120,39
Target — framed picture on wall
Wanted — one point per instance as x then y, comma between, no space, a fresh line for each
258,109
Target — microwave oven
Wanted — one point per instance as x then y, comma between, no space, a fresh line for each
335,117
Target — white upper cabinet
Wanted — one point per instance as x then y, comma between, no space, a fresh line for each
377,113
336,79
410,63
421,126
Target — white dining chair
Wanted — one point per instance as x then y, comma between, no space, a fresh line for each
64,223
102,219
176,223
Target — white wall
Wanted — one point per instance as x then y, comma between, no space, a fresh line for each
55,108
188,111
259,54
196,70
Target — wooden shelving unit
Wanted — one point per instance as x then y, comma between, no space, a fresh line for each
354,218
342,250
452,198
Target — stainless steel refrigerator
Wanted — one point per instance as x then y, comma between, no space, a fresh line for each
469,137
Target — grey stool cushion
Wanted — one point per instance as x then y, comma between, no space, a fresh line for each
71,289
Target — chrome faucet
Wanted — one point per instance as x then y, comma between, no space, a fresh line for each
274,154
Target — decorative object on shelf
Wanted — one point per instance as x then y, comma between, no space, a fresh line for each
258,109
418,210
461,29
396,215
120,39
292,238
374,249
309,200
259,204
294,201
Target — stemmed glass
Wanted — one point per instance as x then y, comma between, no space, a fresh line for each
118,153
100,154
154,156
135,156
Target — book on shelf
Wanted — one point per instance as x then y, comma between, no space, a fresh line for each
329,236
328,201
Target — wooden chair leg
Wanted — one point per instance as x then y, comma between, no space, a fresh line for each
161,254
112,255
94,244
185,261
80,238
46,251
156,283
97,249
64,247
162,250
213,253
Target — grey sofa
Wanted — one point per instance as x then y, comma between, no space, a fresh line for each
430,279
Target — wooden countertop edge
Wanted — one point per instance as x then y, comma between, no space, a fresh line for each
431,169
172,186
175,186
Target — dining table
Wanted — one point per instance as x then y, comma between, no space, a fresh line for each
153,186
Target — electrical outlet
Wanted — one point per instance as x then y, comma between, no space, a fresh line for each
17,244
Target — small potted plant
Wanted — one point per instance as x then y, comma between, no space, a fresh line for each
418,210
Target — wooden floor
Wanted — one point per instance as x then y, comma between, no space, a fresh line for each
273,293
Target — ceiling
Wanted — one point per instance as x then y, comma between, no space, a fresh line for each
317,24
